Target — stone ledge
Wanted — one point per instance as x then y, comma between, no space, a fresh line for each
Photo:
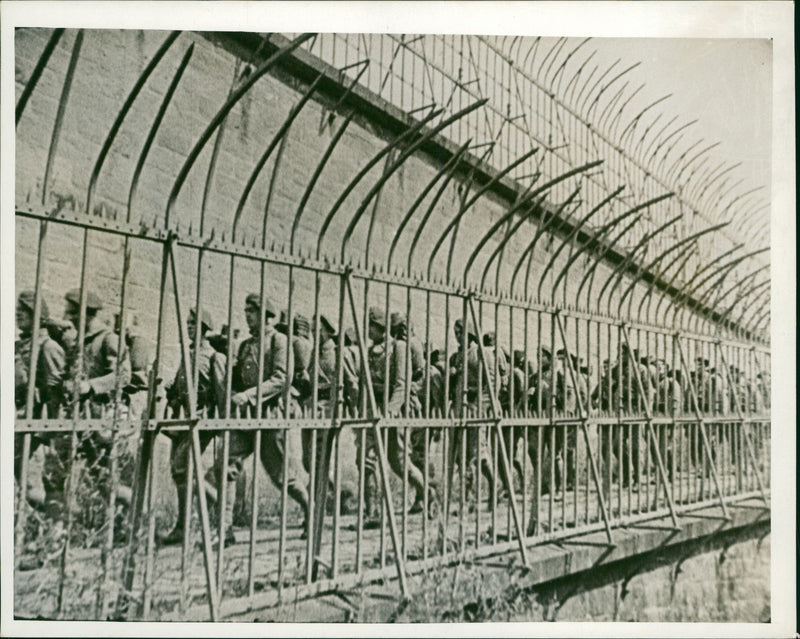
549,564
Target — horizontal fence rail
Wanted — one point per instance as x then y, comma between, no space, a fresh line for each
403,419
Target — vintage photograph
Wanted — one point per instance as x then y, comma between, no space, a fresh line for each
390,327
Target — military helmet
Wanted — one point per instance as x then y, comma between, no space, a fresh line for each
470,327
324,321
92,299
301,326
377,317
26,299
254,301
206,318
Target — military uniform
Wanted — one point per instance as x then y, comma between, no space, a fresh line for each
48,395
274,443
326,397
477,398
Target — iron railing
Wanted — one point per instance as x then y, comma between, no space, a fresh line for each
537,420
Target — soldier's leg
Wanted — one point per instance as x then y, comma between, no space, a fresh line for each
365,454
34,489
534,451
274,446
396,452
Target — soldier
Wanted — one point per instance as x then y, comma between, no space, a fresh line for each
626,397
390,396
402,334
326,397
566,395
470,364
48,390
94,384
133,393
275,444
210,397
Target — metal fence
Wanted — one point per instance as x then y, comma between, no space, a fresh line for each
449,423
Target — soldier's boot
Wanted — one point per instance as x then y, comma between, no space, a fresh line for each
491,480
230,502
175,536
371,502
299,493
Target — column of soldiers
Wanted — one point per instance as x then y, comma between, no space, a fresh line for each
558,384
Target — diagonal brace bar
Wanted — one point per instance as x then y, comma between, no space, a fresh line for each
383,464
702,423
497,425
649,417
211,587
745,423
585,429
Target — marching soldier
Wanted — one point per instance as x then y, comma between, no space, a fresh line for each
470,364
402,334
565,395
390,396
94,383
326,396
275,444
210,396
626,396
48,390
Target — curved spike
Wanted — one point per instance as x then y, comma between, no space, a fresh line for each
603,231
663,254
411,131
279,135
467,204
234,97
123,112
317,172
572,235
162,109
33,80
620,268
693,285
423,193
522,202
